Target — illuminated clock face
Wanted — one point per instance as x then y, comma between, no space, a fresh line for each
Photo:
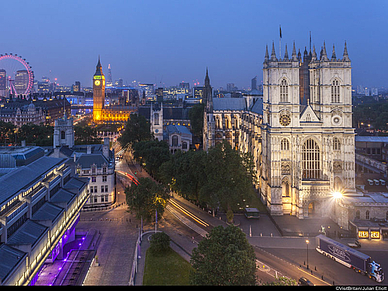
284,120
97,82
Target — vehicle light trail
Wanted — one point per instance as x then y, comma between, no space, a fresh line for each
189,214
133,179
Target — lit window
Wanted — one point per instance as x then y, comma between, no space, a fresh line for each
311,160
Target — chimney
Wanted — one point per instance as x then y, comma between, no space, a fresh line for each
105,148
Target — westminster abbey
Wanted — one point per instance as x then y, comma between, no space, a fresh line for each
299,131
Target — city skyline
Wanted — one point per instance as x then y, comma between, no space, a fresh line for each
166,43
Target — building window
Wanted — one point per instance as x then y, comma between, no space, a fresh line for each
102,189
358,214
156,118
174,140
104,178
335,92
63,135
106,188
336,144
94,179
284,91
311,160
367,215
285,149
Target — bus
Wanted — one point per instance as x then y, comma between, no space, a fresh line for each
252,213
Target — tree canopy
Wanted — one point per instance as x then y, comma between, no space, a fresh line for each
224,258
145,198
136,129
229,178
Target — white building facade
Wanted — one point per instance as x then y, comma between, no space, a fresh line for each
308,139
301,138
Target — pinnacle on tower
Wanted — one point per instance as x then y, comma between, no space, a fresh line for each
345,56
293,56
273,54
333,56
266,58
286,54
323,53
314,54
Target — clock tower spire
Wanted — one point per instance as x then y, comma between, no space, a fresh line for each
98,92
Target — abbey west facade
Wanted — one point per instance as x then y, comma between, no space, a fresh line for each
300,133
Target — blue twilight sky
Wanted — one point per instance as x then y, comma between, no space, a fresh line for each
167,41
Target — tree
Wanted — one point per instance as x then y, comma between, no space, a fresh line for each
146,198
224,257
185,173
136,129
7,134
229,177
196,118
84,134
41,135
153,153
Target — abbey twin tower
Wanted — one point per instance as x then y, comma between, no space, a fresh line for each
299,131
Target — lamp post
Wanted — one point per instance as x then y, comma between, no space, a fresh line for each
307,250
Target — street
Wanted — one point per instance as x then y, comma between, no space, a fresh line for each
276,255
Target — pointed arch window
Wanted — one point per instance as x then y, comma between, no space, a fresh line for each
335,91
284,91
311,160
285,149
336,144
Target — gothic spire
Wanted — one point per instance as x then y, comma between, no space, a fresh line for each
345,56
323,53
266,58
207,79
293,56
286,54
314,54
273,54
98,67
333,56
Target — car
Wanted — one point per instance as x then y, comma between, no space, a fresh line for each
304,282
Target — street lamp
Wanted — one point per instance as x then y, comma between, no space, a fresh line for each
307,250
337,194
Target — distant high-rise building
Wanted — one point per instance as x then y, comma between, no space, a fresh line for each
184,85
230,87
3,79
3,82
109,82
76,87
44,85
21,81
254,83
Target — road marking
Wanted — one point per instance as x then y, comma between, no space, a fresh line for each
188,213
186,221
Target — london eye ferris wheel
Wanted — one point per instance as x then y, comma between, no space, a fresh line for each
16,75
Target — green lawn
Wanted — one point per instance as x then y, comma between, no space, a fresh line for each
166,269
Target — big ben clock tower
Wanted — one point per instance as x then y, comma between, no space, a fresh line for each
98,93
